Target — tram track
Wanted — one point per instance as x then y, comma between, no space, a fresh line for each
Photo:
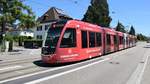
14,62
16,69
20,72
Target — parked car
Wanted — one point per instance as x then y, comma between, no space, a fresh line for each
148,41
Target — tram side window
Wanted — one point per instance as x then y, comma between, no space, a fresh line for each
69,38
121,39
126,40
91,39
98,39
108,39
115,39
84,39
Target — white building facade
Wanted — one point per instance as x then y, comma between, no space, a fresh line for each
40,31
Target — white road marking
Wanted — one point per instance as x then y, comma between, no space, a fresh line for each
65,72
10,67
142,72
136,77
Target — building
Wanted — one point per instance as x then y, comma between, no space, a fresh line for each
52,15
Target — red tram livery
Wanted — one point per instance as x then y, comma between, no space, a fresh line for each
73,40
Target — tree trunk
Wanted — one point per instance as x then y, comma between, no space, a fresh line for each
10,46
20,41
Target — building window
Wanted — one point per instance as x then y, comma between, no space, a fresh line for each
47,26
84,39
39,36
91,39
39,28
69,38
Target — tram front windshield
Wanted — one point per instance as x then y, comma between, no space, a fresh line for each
53,35
51,40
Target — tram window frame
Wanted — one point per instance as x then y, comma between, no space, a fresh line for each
65,41
92,40
84,39
98,39
108,38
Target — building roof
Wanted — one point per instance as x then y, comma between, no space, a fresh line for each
53,14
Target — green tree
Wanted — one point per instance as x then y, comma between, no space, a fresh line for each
98,13
27,22
12,11
132,31
120,27
142,37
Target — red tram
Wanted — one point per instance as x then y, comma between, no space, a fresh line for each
73,40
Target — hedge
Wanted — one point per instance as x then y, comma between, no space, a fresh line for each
32,43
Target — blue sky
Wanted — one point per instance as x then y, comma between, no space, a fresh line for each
128,12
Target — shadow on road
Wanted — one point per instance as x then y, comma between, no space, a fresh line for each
112,62
14,53
15,50
42,64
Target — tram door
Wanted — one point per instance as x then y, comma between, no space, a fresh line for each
115,43
108,43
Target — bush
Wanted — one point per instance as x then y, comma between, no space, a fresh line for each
10,39
32,43
21,39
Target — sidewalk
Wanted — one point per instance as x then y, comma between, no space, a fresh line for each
19,53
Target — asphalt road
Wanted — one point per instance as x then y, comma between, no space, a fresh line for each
128,66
